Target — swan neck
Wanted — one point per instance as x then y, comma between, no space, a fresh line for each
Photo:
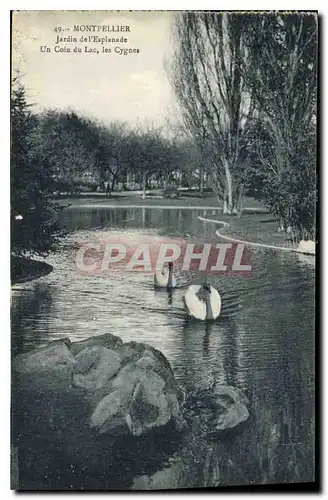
170,278
209,312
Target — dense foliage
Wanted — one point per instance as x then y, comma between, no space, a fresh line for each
281,73
33,226
246,86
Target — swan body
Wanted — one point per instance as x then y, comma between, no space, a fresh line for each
199,308
165,278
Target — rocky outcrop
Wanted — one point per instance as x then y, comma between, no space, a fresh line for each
51,358
130,388
95,367
107,340
235,405
210,414
220,408
99,413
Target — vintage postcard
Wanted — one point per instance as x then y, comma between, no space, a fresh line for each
163,249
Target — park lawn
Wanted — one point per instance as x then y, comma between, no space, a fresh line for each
256,228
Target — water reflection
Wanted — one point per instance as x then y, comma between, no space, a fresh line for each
263,342
30,313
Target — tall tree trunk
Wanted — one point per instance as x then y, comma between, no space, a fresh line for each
232,200
144,183
165,182
215,105
124,181
201,180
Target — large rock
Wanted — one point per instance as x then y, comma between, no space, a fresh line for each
53,357
95,367
134,350
234,402
140,400
122,388
233,416
230,394
217,409
97,413
107,340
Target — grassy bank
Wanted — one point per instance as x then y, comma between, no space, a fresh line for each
255,227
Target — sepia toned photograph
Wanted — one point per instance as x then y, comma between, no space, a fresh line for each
164,231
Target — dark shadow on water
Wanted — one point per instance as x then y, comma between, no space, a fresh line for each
166,291
206,341
30,307
47,460
207,334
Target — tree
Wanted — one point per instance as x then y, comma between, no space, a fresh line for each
145,153
111,141
34,229
215,103
281,73
66,140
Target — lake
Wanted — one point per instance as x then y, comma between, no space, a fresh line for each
263,342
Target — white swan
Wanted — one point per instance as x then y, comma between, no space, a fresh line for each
168,277
165,277
203,302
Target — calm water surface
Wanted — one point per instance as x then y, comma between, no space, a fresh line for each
263,343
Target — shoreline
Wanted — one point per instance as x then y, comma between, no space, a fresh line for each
24,270
165,207
231,238
134,200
